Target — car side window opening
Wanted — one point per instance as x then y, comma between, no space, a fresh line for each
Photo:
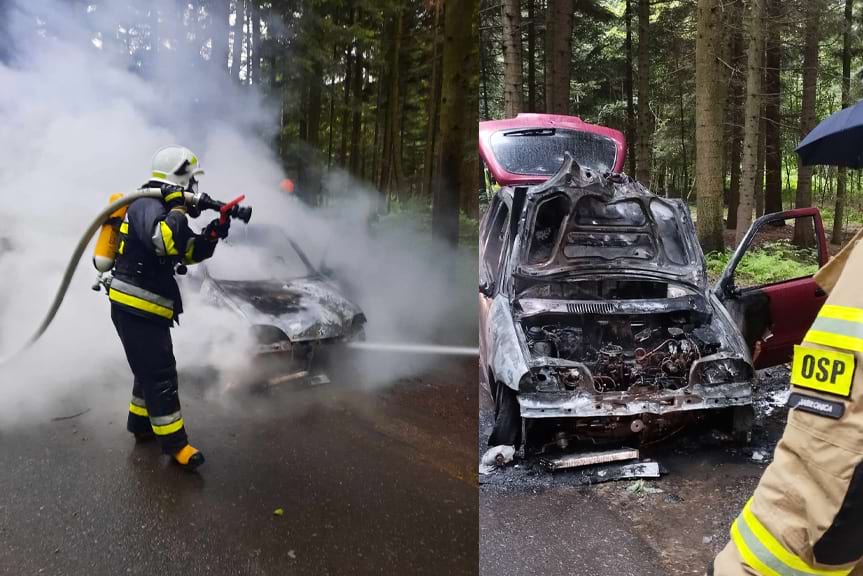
669,232
550,216
494,242
485,223
773,257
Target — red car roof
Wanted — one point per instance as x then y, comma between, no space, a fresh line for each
522,121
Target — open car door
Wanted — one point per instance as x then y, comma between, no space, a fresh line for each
775,316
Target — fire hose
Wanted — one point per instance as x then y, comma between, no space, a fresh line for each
202,201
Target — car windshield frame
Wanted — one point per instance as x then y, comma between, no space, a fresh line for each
244,242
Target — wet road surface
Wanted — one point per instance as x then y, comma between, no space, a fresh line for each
534,522
378,482
534,525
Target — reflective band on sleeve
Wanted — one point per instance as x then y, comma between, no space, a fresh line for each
838,327
137,410
841,313
764,553
834,340
124,228
173,196
189,256
167,428
139,402
122,247
163,240
158,174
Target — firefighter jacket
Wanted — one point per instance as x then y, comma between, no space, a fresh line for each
153,241
806,515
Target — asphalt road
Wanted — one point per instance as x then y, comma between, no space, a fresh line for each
370,482
535,522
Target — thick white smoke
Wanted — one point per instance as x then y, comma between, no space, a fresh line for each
79,123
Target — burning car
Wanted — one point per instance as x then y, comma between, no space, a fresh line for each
295,312
596,317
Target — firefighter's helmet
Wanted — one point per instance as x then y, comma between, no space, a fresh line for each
175,165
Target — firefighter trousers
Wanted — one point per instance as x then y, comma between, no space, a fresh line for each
155,404
806,515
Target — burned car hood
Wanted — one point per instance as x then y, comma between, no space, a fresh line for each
304,309
581,222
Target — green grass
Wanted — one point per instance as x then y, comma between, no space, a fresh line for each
771,262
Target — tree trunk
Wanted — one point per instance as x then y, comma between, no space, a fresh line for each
390,167
221,29
752,116
484,72
708,128
256,43
631,137
531,56
734,112
237,45
842,174
346,103
513,99
313,113
470,169
772,111
346,107
357,127
644,119
558,55
457,122
759,176
803,231
332,114
433,121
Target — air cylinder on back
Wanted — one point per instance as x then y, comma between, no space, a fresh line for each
108,240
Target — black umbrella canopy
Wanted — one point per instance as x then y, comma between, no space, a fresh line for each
836,141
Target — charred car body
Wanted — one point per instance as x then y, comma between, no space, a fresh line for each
596,317
296,314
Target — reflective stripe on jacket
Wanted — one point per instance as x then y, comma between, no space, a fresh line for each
806,515
153,240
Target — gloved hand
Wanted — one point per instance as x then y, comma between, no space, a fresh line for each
217,230
173,196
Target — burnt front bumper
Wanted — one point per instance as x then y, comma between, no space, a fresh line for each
579,404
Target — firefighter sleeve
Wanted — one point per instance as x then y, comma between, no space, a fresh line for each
198,249
171,234
806,515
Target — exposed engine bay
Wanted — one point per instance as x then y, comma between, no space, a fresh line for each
621,352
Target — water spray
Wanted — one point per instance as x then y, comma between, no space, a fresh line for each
433,349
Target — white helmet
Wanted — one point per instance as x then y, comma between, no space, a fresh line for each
175,165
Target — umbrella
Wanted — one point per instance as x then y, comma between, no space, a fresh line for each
836,141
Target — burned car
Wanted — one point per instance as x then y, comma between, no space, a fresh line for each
295,313
596,317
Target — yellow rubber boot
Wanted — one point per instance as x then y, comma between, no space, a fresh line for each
189,457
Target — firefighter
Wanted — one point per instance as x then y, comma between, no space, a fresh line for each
155,240
806,515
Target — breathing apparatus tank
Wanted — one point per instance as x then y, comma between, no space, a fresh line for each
108,241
